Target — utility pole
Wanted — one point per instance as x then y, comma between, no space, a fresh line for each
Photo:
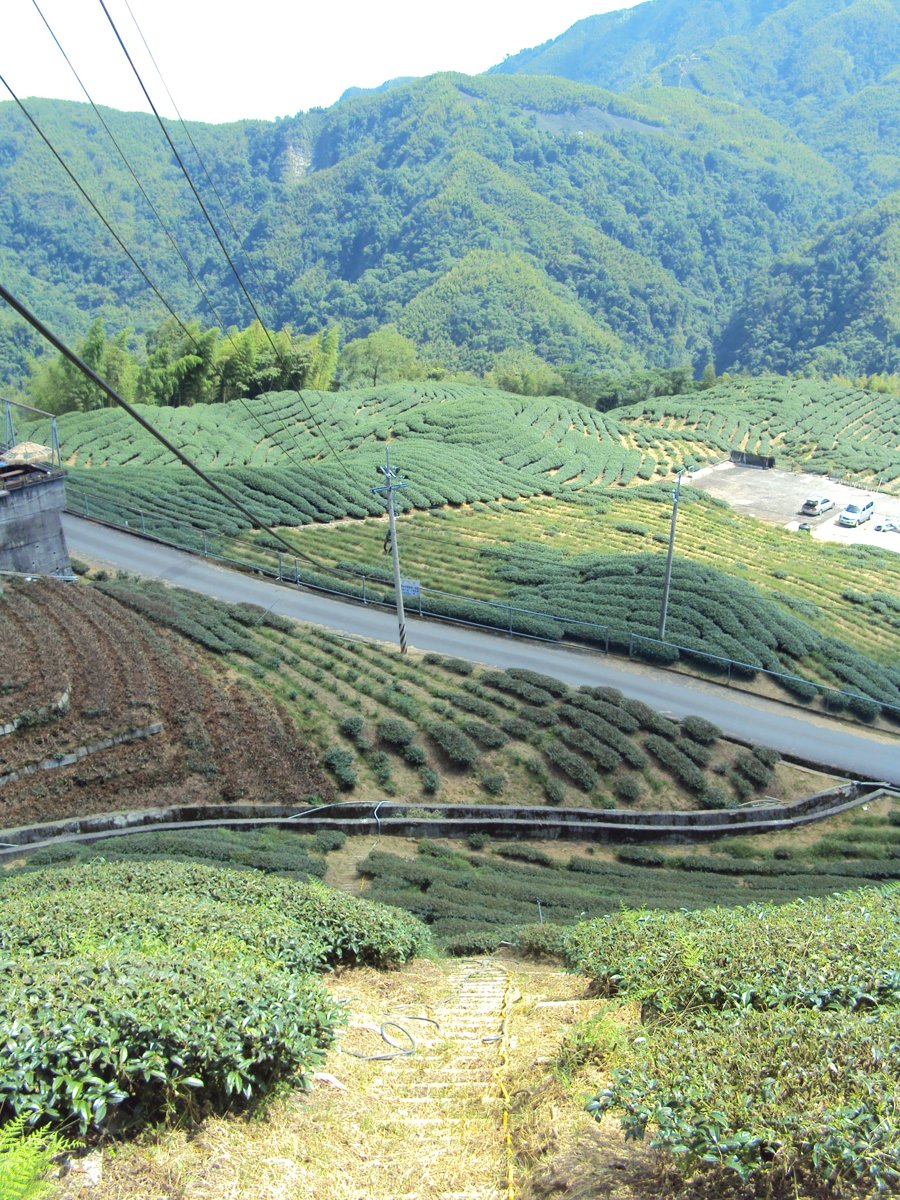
664,610
391,484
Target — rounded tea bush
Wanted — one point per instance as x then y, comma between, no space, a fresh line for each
135,991
395,732
628,789
414,754
455,744
119,1040
494,782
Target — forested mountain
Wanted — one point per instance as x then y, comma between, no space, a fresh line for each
833,304
508,211
815,65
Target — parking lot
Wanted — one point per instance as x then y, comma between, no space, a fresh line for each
776,496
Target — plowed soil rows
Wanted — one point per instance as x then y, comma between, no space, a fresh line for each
222,740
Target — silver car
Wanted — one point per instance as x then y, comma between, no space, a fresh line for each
816,505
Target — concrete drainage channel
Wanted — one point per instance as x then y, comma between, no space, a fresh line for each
454,821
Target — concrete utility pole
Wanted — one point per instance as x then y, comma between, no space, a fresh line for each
9,433
664,610
391,484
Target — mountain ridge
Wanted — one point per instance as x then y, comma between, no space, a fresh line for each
641,218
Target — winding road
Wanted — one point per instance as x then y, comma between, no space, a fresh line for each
810,738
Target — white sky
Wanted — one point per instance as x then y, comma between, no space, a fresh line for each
264,58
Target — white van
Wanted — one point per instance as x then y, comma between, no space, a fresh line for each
857,512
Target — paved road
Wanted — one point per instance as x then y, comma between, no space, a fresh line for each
790,731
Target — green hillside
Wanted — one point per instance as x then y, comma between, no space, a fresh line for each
459,444
600,230
825,428
528,311
832,304
805,63
613,217
497,477
619,49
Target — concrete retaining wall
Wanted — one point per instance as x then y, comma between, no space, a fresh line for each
73,756
31,536
454,820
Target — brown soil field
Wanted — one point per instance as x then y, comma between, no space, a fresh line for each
221,739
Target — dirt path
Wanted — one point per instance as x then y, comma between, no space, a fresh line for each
448,1118
437,1128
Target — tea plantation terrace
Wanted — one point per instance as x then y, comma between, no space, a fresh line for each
752,719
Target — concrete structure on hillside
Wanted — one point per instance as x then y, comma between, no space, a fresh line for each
32,499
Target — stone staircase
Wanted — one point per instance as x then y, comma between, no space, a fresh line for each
448,1097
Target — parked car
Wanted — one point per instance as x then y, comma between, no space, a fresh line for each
816,505
857,512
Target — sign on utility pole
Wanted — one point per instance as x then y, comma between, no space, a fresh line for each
391,484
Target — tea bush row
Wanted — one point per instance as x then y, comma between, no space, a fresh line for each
340,763
134,991
505,681
219,627
117,1039
611,710
753,768
700,756
602,756
486,894
794,1099
489,736
295,855
601,729
712,616
459,749
572,766
350,929
676,761
814,953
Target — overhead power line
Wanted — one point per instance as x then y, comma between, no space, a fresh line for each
99,115
215,232
186,330
187,133
251,412
58,344
65,166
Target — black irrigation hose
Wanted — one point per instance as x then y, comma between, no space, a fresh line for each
401,1051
